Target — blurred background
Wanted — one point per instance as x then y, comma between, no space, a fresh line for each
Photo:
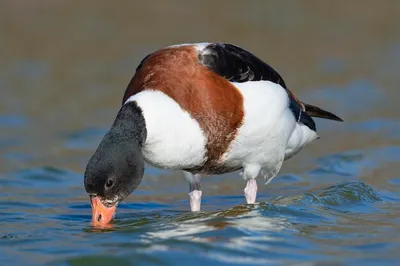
64,66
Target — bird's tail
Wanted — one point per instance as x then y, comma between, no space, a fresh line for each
315,111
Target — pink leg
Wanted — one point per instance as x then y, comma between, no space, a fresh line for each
250,192
195,200
194,191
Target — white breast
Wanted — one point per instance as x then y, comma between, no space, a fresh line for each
174,139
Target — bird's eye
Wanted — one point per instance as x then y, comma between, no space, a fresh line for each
109,183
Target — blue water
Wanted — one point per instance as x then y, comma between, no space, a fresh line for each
45,219
339,205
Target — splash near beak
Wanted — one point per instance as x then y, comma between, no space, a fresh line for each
101,215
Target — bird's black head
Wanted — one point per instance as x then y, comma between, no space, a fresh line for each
117,166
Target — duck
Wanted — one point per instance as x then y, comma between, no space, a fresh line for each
204,109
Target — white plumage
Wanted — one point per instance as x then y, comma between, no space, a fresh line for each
174,139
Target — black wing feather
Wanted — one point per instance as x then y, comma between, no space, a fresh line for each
239,65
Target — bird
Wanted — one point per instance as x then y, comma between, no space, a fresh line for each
204,109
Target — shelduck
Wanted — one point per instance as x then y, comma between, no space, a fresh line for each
205,109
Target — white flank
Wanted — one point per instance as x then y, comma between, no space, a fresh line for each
265,137
174,139
301,136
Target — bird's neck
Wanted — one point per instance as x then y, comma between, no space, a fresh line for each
129,126
119,154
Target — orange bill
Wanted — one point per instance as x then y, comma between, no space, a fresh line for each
101,215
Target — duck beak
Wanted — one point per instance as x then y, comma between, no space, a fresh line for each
101,214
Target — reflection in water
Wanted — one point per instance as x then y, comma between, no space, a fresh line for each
243,218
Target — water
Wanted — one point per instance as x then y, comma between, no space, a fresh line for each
63,70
